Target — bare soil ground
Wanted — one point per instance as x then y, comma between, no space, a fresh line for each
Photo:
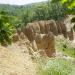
15,60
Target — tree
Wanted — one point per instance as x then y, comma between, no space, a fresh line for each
69,4
6,29
56,11
41,12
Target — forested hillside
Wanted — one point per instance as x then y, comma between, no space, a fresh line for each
36,11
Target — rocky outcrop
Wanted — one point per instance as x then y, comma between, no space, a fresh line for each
15,37
59,28
70,35
46,42
18,30
63,29
41,34
42,27
30,30
53,27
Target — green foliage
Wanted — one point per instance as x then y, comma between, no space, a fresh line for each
27,16
41,12
6,29
31,12
56,11
51,9
65,46
69,4
57,67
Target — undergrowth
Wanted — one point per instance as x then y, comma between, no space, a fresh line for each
65,46
56,67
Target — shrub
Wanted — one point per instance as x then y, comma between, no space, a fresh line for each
6,29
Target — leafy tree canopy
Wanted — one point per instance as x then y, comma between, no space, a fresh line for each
6,29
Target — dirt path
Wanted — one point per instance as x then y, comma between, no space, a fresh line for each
16,61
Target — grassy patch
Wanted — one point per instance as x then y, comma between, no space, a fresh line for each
65,46
56,67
